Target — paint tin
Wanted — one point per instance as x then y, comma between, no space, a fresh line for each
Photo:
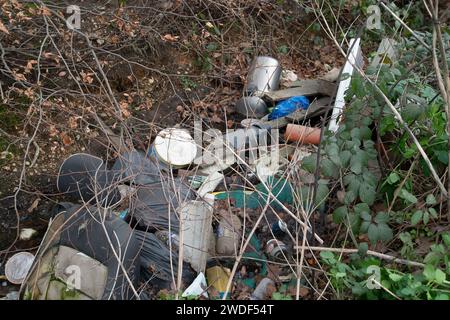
228,235
276,249
263,76
252,107
279,228
17,267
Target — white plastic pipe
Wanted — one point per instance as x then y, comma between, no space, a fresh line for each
354,58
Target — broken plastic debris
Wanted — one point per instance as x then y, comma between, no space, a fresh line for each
210,184
276,249
197,287
288,76
279,187
27,233
261,291
218,278
279,228
252,107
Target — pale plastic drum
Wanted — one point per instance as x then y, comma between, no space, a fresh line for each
175,147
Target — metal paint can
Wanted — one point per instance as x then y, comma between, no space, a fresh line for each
279,228
263,76
17,267
252,107
276,248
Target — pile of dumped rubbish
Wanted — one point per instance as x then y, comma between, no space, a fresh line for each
162,219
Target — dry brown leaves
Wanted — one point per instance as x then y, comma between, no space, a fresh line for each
3,28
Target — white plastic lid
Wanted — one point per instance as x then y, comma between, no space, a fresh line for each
17,267
175,146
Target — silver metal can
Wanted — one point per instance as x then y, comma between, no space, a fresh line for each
263,76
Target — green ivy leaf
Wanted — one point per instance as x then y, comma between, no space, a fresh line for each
329,169
370,178
366,216
339,214
416,217
365,226
406,195
349,197
426,217
345,158
439,276
393,178
361,207
361,157
367,193
355,222
332,150
355,133
365,133
433,213
322,193
430,200
442,156
328,257
432,258
309,163
362,248
356,165
429,272
354,186
373,233
446,239
384,232
395,277
382,217
358,87
411,112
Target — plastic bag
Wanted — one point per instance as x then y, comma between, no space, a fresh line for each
288,106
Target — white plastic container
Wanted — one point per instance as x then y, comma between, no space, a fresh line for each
175,147
196,217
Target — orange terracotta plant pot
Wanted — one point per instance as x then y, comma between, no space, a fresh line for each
302,134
